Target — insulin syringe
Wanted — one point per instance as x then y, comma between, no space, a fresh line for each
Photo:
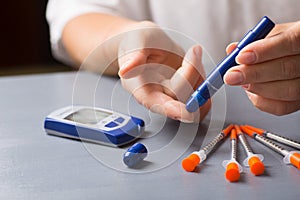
233,168
290,157
197,157
254,161
275,137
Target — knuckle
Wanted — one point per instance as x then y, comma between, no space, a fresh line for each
256,76
293,41
252,75
289,68
280,109
277,108
293,91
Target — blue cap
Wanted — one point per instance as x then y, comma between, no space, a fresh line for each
263,28
135,154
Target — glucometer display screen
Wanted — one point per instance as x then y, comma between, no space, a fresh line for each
88,116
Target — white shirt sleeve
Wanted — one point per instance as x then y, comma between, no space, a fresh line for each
195,19
59,12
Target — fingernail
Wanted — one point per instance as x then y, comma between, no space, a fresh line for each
246,86
248,57
187,121
234,78
123,68
198,51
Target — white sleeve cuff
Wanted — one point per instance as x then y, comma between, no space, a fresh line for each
59,12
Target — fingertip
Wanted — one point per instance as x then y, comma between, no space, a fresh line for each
197,51
246,57
233,77
226,78
176,110
231,47
193,57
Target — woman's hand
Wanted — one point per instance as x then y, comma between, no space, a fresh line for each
269,70
153,69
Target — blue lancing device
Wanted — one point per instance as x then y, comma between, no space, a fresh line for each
214,80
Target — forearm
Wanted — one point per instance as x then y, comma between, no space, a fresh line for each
82,34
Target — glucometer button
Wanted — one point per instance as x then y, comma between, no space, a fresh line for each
111,124
120,119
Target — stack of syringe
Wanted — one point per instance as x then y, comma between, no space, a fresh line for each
253,161
290,157
197,157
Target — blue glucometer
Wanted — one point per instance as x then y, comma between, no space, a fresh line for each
94,125
214,81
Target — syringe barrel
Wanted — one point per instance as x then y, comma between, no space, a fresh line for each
216,140
275,137
282,140
233,149
211,145
245,144
279,149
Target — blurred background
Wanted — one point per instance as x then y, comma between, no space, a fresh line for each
25,47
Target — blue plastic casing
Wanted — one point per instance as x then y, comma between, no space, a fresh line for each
114,137
135,154
214,80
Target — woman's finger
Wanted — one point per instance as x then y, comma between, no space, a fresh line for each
288,90
131,62
275,70
273,106
231,47
187,77
282,44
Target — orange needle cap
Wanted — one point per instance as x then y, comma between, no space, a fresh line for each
190,163
227,130
238,130
248,131
232,173
295,160
233,134
257,130
256,166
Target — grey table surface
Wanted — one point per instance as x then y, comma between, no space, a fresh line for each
34,165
